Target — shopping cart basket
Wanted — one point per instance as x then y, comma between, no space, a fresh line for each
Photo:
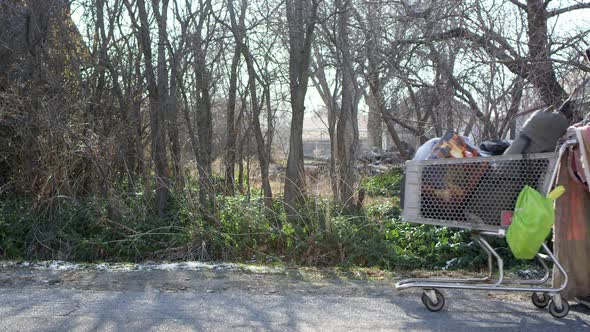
479,194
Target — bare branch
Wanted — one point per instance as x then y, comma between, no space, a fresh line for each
577,6
519,4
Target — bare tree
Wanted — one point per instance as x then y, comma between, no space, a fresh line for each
330,97
231,135
536,66
256,104
157,80
204,118
377,107
347,125
301,18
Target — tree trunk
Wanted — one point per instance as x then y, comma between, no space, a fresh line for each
509,125
375,98
37,28
542,73
346,149
374,82
204,120
157,92
230,140
374,124
232,131
329,98
173,134
160,109
263,158
301,21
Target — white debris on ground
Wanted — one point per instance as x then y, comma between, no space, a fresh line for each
57,265
529,274
450,263
148,266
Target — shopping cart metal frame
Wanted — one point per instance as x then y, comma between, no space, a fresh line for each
433,299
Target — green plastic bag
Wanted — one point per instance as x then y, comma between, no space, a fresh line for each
533,218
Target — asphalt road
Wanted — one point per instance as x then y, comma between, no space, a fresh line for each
177,301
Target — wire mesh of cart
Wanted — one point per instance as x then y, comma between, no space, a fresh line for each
479,194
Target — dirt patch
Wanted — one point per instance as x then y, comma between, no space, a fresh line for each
353,282
190,281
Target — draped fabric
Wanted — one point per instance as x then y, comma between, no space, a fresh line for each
572,226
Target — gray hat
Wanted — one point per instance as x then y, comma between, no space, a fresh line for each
540,133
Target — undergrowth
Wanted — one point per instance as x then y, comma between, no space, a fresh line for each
88,230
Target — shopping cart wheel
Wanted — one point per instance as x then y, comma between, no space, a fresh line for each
557,313
429,304
541,300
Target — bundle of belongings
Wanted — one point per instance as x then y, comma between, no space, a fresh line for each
443,186
456,191
494,147
540,133
451,145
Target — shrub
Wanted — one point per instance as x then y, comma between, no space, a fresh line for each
387,184
123,229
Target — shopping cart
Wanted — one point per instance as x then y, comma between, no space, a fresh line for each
479,194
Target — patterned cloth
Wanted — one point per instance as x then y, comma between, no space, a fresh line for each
572,221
